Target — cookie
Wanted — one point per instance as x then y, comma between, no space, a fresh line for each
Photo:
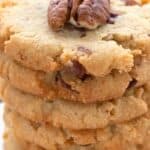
128,33
128,136
45,84
72,115
14,143
11,142
141,71
63,85
29,40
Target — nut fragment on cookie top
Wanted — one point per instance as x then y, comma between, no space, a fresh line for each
145,1
29,40
131,2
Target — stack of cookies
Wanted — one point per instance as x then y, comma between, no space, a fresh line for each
75,75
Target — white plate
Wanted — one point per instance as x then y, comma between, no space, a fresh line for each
1,126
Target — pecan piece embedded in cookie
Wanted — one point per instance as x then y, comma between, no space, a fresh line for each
81,13
131,2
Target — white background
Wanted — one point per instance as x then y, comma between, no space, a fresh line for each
1,126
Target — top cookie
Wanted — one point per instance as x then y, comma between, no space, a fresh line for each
26,36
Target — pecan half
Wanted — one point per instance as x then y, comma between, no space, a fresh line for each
57,13
81,13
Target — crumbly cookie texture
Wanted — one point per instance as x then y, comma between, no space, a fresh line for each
15,143
141,71
72,115
130,34
29,40
11,142
67,86
131,135
63,84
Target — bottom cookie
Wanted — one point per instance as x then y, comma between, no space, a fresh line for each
134,135
11,142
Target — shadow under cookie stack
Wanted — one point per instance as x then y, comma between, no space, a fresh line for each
75,89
